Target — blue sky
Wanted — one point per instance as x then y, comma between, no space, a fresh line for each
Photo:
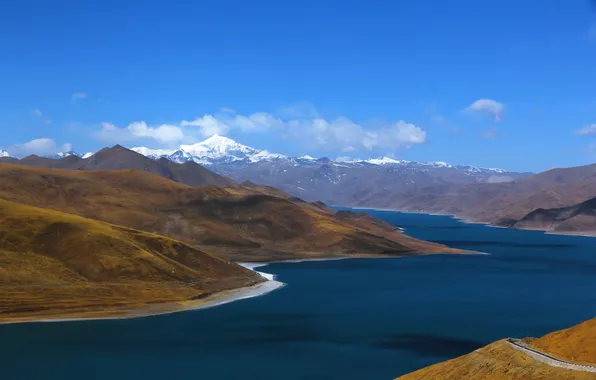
507,84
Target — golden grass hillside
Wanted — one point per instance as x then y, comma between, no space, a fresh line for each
497,361
236,222
501,361
576,344
56,263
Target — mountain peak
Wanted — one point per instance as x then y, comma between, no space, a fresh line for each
217,140
384,161
4,153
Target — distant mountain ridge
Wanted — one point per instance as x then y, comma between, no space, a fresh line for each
346,182
215,150
578,217
340,181
120,158
221,150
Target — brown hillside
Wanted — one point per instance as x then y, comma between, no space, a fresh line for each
498,203
57,263
497,361
501,361
120,158
239,222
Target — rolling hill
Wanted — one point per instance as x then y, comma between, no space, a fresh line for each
53,263
236,222
500,360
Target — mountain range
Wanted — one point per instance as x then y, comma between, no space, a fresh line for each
339,181
495,196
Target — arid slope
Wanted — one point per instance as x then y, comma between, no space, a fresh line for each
497,203
238,222
56,263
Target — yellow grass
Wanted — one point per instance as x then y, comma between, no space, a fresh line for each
56,262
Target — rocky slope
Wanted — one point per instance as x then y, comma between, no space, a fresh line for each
501,361
577,218
503,203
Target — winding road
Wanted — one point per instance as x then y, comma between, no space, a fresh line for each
548,359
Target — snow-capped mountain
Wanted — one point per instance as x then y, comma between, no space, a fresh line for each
343,180
60,155
4,153
215,150
222,151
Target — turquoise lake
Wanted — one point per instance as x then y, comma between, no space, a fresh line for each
346,319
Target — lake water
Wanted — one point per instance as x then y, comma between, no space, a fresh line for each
347,319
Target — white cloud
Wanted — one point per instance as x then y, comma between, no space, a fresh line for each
37,112
41,147
78,96
588,130
492,133
298,111
339,134
256,122
227,110
346,135
489,107
164,134
208,125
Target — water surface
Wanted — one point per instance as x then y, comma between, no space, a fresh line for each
348,319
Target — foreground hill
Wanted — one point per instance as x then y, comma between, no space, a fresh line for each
56,263
237,222
576,344
501,360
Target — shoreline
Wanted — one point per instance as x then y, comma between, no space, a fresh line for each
214,300
487,224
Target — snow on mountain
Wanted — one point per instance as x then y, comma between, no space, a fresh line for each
68,154
180,156
60,155
215,150
385,161
87,155
153,153
264,155
222,150
4,153
218,146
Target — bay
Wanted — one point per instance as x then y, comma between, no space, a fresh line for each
348,319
